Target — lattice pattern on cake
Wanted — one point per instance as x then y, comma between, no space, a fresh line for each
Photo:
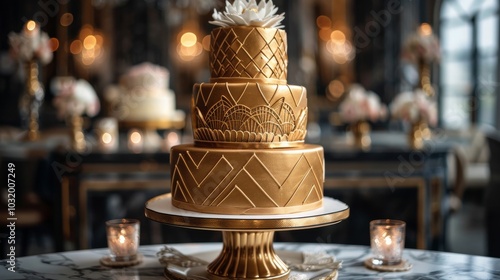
249,113
247,179
248,52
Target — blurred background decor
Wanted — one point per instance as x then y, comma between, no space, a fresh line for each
31,47
74,99
422,50
357,109
143,100
418,111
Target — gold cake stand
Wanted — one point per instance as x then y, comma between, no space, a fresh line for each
247,251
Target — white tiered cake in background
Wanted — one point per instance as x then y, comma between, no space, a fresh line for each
143,95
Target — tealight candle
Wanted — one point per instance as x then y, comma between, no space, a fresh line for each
387,239
135,140
123,239
31,29
31,32
107,134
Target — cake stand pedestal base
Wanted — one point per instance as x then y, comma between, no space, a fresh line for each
248,255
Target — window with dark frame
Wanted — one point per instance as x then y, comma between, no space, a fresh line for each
469,64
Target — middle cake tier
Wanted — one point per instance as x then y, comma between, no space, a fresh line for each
262,115
247,181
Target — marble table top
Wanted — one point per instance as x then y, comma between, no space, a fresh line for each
85,264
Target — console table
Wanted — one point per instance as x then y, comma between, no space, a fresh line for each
390,172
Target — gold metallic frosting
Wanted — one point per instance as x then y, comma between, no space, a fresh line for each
249,127
225,113
247,181
240,53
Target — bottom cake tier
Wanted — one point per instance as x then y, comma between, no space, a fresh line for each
247,181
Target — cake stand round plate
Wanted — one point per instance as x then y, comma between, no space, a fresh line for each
247,251
160,209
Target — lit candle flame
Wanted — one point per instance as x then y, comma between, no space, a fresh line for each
31,29
31,25
425,29
106,138
388,240
121,239
135,137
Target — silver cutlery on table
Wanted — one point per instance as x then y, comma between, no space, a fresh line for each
313,267
324,264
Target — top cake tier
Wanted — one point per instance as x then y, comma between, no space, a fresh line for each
248,54
145,76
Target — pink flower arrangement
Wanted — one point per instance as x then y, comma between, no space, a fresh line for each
361,105
30,44
74,97
423,46
413,106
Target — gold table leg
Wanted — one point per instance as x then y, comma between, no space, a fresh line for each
248,255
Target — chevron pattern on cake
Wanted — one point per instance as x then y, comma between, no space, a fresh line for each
247,93
250,178
261,186
189,173
230,55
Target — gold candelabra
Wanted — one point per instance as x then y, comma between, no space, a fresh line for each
361,134
78,142
419,132
32,99
424,72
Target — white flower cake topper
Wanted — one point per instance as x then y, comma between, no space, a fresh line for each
248,13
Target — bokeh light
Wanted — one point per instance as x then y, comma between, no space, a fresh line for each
76,47
54,44
323,22
337,36
30,25
206,43
188,39
106,138
325,34
335,90
66,19
425,29
135,137
89,42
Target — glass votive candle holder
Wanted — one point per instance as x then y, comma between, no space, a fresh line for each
387,240
123,239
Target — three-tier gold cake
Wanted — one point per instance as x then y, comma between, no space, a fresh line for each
249,125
